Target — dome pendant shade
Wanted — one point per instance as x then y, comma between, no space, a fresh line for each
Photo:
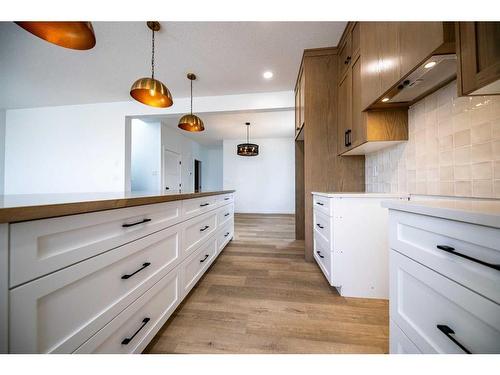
247,149
73,35
151,92
191,122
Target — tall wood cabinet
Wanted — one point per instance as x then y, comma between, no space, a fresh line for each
478,53
317,159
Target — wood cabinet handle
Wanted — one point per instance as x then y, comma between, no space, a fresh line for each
127,340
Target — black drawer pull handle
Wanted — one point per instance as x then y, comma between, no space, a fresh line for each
139,222
125,277
319,253
204,204
319,204
204,228
448,332
128,339
204,259
227,234
227,214
320,226
451,250
226,199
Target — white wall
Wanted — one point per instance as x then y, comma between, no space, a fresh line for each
146,156
263,183
212,170
82,148
2,149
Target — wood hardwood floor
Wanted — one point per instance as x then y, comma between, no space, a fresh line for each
261,296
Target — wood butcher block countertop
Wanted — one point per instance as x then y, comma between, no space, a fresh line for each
23,207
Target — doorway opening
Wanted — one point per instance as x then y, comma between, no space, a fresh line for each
197,176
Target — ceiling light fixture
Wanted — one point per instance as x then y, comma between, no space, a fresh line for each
430,64
268,75
150,91
385,100
74,35
190,122
247,149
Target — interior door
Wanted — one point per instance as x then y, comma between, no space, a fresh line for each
171,171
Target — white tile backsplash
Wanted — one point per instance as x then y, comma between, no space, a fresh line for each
453,149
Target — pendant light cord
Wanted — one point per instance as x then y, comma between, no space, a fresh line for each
248,126
191,96
153,55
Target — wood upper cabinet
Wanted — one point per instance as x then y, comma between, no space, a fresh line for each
300,103
345,55
302,99
345,112
478,53
297,110
391,50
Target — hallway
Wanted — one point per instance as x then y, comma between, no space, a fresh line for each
260,296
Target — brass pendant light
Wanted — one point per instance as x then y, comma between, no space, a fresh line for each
247,149
74,35
190,122
150,91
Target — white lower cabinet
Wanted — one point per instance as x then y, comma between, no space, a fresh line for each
399,343
125,292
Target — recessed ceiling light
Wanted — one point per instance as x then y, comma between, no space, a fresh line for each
429,65
385,100
268,75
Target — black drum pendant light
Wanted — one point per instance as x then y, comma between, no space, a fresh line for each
247,149
151,91
190,122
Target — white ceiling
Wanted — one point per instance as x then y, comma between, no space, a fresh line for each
228,57
231,125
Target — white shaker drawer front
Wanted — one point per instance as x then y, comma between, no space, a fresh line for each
225,235
197,206
194,267
439,315
40,247
323,256
323,204
224,198
466,253
225,214
197,230
132,330
324,226
58,312
400,343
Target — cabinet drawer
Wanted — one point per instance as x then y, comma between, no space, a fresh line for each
399,343
418,236
197,206
58,312
132,330
225,235
323,256
323,204
197,230
194,267
40,247
323,226
424,304
224,198
225,214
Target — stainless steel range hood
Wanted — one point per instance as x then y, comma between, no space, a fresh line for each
434,72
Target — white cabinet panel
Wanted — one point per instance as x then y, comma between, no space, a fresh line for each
418,236
225,235
439,315
194,267
133,328
323,204
323,257
323,225
42,246
197,206
225,214
399,343
195,231
56,313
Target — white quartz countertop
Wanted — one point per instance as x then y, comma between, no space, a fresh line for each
482,212
360,195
